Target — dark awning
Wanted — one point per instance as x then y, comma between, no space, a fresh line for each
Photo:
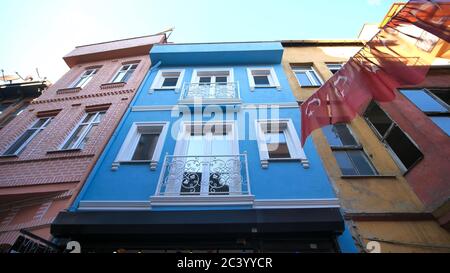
201,222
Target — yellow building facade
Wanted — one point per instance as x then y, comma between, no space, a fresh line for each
382,207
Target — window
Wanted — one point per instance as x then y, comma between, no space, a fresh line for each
82,133
307,76
434,103
144,142
27,136
124,73
278,140
262,78
349,154
84,79
334,67
404,151
170,79
14,114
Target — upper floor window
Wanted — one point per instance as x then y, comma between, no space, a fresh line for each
124,73
349,154
19,110
27,136
278,140
168,79
404,151
262,78
144,142
83,131
434,103
307,76
4,106
334,67
85,78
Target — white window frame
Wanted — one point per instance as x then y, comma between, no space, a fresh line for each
159,80
214,73
38,130
271,74
329,65
308,69
131,141
121,69
292,139
88,128
84,75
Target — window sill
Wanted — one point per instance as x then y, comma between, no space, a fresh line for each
9,156
153,164
68,90
63,151
210,101
311,86
253,88
265,162
112,85
175,89
367,176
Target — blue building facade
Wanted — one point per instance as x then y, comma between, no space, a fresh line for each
208,157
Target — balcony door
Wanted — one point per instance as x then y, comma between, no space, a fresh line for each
209,154
212,84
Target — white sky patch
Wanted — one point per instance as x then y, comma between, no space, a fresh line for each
374,2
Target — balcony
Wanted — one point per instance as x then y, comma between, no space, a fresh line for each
210,93
207,178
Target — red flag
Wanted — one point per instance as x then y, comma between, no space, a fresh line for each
400,54
314,113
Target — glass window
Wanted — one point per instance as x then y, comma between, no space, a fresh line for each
261,80
85,129
170,82
167,80
11,116
27,136
145,147
434,104
3,107
307,76
349,154
124,73
85,78
405,152
334,67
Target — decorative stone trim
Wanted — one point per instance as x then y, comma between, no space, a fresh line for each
112,85
68,90
96,95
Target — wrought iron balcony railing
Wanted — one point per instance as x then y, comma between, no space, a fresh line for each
210,92
222,175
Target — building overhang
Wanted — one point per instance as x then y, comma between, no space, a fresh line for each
217,53
158,224
23,89
112,50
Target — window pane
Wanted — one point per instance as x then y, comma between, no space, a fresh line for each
339,135
361,162
334,67
278,150
70,144
99,117
13,115
405,150
221,79
205,80
39,123
378,118
145,147
20,141
424,101
87,136
443,123
170,82
88,117
344,162
303,79
261,80
127,75
119,77
3,106
444,95
313,75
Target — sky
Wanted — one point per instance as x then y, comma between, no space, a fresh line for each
38,33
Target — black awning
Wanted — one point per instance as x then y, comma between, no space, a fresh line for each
201,222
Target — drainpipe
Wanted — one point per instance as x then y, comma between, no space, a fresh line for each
80,189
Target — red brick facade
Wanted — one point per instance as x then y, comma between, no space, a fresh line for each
41,180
